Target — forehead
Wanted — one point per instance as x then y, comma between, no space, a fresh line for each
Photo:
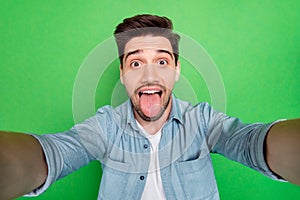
148,42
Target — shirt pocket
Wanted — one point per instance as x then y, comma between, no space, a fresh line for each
114,179
197,178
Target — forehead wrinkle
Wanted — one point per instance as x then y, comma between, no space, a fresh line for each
157,51
148,42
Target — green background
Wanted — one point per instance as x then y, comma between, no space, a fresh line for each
255,45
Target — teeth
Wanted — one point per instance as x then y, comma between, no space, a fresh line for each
150,91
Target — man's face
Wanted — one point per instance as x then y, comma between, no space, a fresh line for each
148,74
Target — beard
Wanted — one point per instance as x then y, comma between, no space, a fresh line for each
165,103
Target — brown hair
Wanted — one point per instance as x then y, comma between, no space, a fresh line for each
141,25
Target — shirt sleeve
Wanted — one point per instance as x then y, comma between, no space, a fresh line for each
66,152
238,141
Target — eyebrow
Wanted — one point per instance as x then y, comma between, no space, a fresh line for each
165,51
139,50
132,52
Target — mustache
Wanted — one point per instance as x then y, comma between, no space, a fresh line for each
163,88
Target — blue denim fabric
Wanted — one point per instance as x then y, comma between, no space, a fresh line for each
188,137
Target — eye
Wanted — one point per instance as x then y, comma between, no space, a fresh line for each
162,62
135,64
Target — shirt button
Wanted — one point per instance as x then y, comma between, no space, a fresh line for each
142,178
145,146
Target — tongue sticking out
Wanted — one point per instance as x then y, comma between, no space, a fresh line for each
150,104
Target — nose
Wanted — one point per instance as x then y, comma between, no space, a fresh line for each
150,74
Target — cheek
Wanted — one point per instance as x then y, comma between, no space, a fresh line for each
130,83
169,77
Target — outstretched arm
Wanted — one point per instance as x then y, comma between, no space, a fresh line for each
283,150
22,164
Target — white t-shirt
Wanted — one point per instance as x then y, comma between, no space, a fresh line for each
153,188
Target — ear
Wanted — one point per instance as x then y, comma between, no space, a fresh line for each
177,69
121,74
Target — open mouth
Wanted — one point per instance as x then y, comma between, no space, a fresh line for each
150,100
150,92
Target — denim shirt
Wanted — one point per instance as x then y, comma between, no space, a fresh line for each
188,137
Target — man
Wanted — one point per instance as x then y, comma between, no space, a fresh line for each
153,146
